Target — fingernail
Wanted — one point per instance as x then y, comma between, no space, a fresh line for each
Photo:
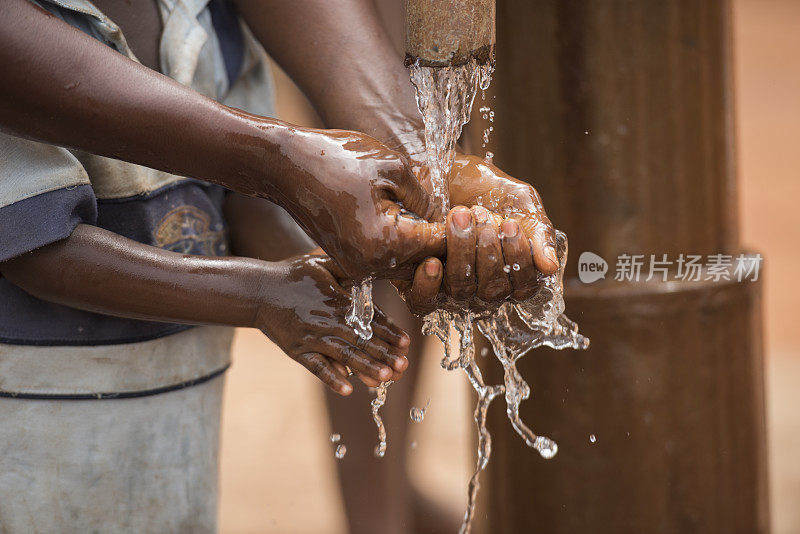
550,254
346,388
432,268
481,214
461,218
509,228
385,374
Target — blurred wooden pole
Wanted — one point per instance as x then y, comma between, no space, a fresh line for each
621,114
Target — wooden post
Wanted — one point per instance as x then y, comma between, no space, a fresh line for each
621,114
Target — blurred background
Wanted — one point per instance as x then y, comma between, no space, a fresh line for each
278,468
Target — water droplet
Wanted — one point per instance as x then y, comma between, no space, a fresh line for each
335,438
341,450
484,351
547,447
392,263
413,445
507,268
516,267
418,414
593,438
489,156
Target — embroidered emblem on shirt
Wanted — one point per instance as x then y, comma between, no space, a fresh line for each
187,229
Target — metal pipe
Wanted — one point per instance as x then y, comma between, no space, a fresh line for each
440,33
622,117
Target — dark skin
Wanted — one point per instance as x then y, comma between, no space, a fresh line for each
65,88
298,303
353,77
76,92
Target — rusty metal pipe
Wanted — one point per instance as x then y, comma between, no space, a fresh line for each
440,33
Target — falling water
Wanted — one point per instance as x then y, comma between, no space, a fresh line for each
377,402
362,309
444,97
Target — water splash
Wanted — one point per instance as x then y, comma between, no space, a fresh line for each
444,97
362,309
377,402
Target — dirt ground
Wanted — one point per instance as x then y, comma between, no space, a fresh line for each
278,468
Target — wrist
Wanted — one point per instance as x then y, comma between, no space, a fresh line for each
253,155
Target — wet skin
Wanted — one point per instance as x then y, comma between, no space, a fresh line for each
298,303
505,226
342,187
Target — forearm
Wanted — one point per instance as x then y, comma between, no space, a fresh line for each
62,87
259,229
345,64
99,271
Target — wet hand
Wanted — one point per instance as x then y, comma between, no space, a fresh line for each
303,312
357,199
477,182
492,254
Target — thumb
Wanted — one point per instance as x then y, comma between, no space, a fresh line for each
412,195
420,239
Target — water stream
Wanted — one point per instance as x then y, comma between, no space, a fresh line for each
444,97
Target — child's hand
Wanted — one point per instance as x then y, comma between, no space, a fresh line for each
303,311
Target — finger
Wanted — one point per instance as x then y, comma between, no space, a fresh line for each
339,368
322,369
542,238
459,279
410,192
367,381
493,282
386,329
381,351
424,292
356,359
417,238
517,254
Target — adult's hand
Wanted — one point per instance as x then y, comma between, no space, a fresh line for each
498,241
359,201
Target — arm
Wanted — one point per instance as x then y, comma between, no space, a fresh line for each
340,56
297,303
348,68
63,87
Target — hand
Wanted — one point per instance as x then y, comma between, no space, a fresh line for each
493,249
360,202
303,311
